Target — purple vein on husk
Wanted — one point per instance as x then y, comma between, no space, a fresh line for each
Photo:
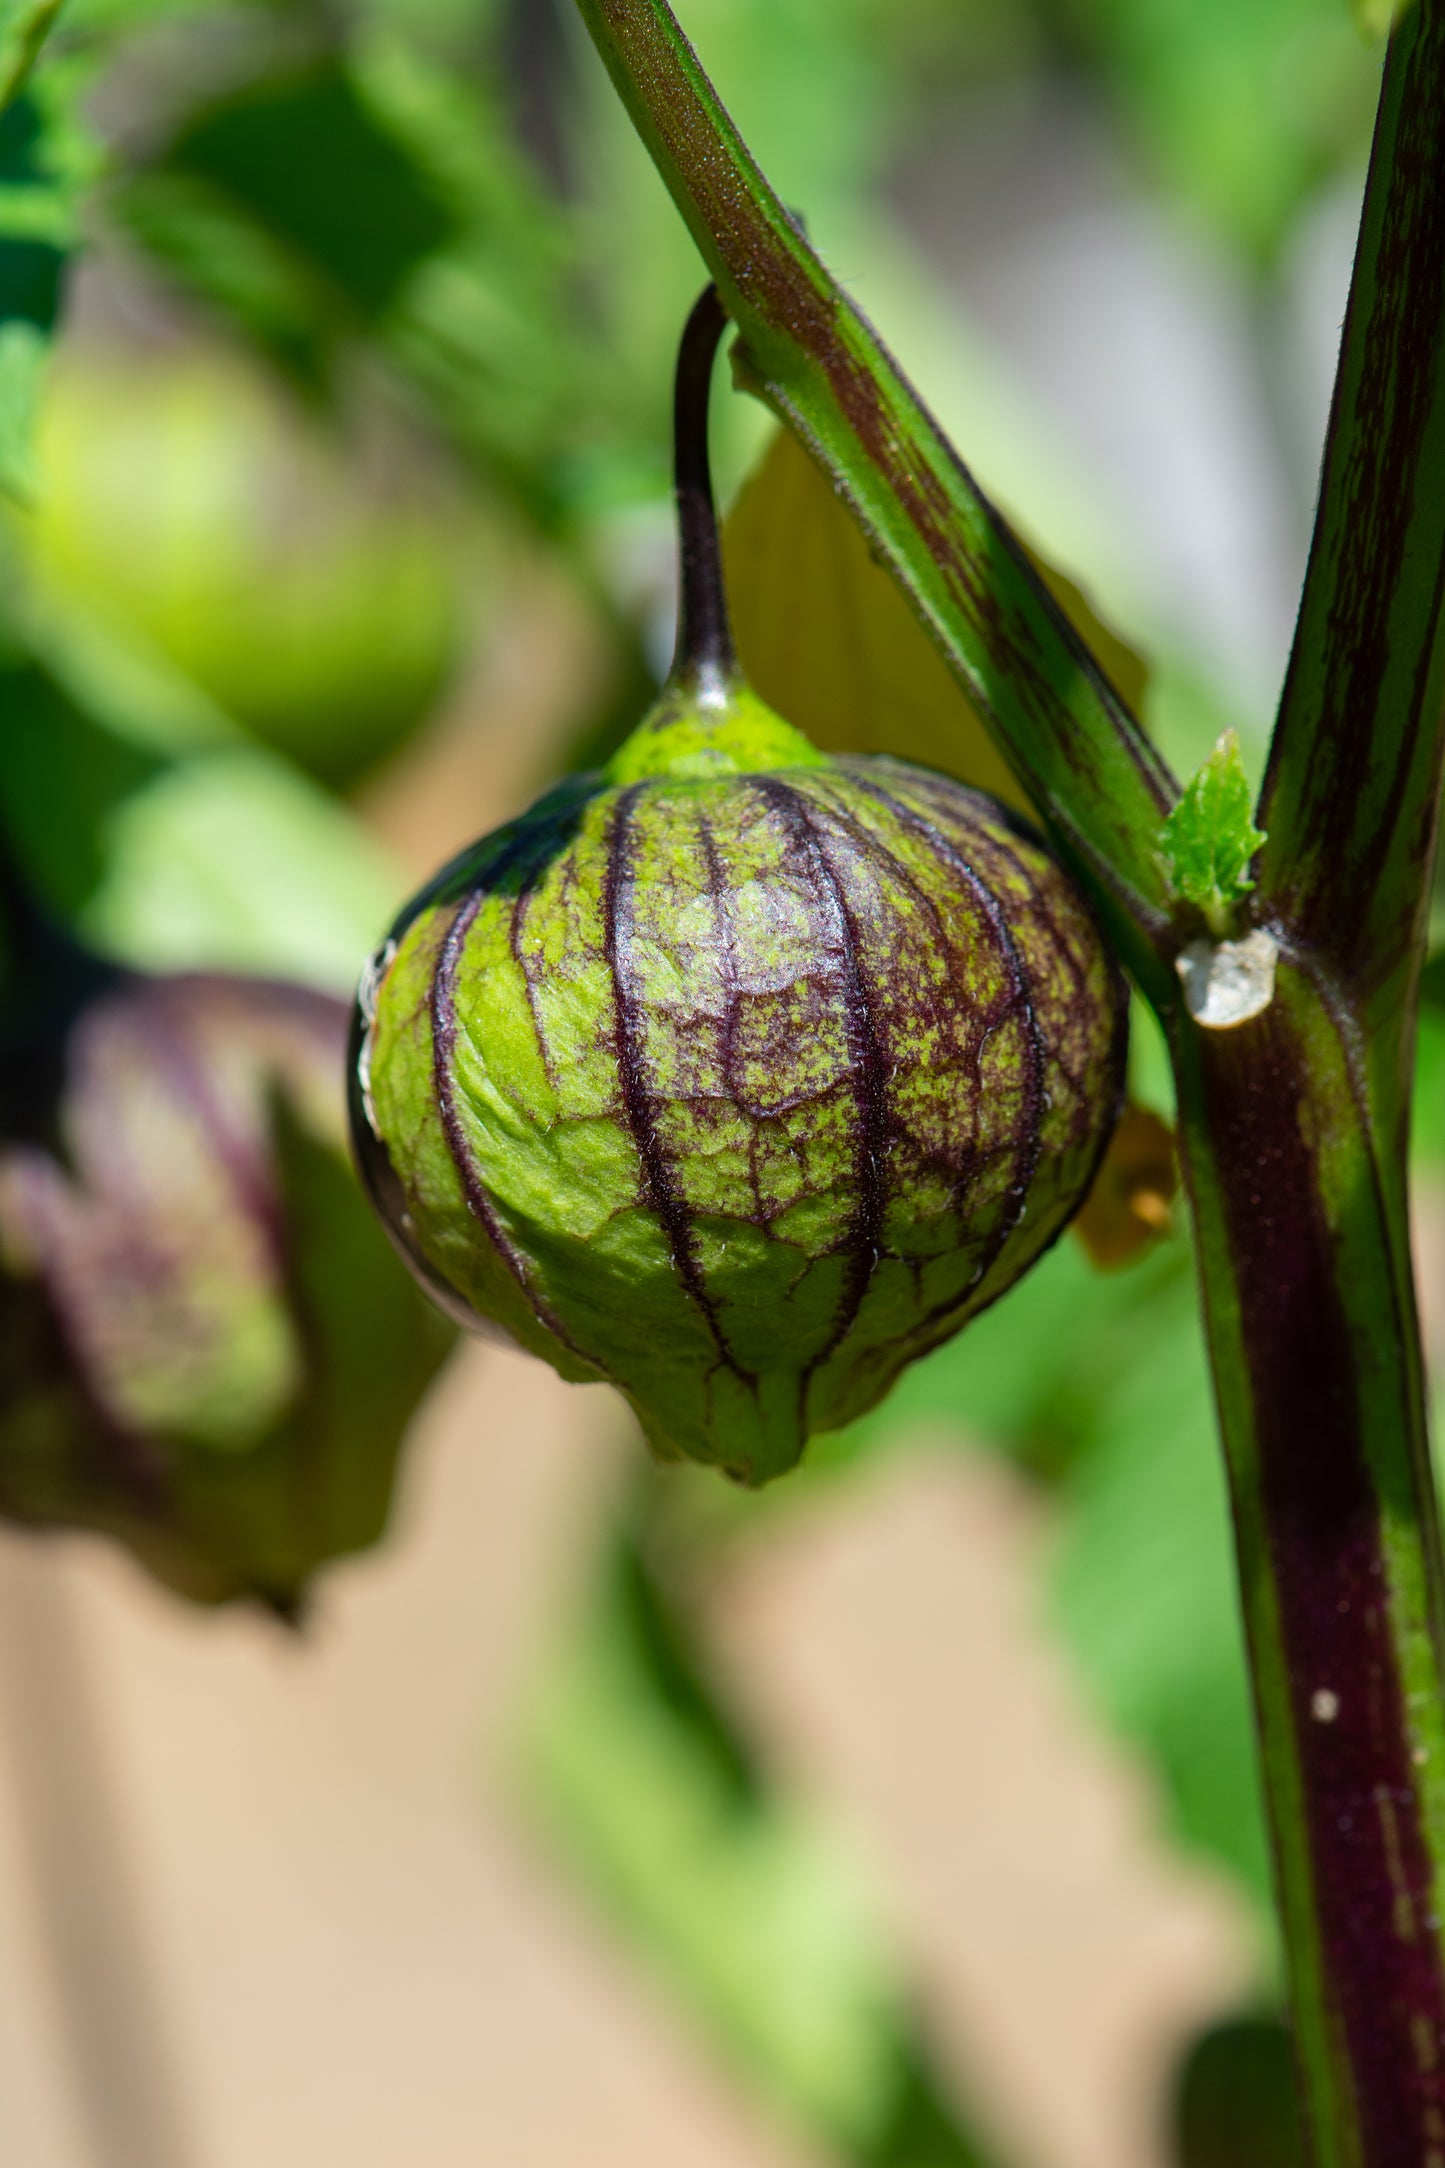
1030,1142
862,1244
660,1190
479,1199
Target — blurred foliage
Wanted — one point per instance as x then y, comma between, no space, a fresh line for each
1244,106
1096,1385
745,1900
1236,2105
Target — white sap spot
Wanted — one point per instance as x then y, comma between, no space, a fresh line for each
1227,982
1324,1705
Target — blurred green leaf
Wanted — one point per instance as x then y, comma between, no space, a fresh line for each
233,861
37,230
62,774
1143,1590
259,205
306,158
24,351
1237,2104
24,27
213,250
1098,1384
1428,1123
669,1667
496,332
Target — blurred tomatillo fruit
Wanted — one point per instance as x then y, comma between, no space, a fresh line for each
736,1074
187,503
206,1348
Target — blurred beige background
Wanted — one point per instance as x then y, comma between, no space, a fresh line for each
353,1949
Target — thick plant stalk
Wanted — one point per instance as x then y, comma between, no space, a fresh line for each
1352,795
1295,1129
1314,1349
1293,1122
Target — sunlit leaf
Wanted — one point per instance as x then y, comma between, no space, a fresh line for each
233,860
828,639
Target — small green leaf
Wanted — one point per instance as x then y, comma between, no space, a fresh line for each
1210,837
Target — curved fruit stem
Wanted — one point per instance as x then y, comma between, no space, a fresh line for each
705,660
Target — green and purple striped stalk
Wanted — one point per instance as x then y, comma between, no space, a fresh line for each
738,1075
1296,1131
1294,1119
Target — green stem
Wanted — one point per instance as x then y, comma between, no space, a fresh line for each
705,658
1353,790
1315,1352
1295,1136
809,353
